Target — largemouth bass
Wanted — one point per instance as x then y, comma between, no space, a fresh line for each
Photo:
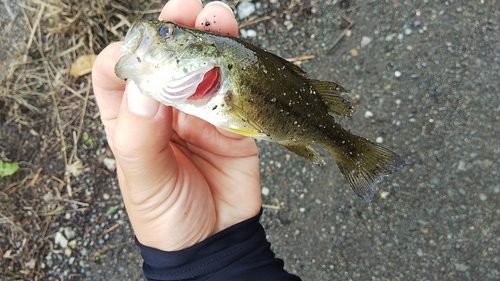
241,88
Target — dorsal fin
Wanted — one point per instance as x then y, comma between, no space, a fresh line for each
329,93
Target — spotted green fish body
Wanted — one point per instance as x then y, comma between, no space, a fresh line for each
239,87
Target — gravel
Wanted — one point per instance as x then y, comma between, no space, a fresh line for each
428,83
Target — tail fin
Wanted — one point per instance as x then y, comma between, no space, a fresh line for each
364,163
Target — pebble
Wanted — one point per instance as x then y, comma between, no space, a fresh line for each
251,33
302,210
384,194
106,196
368,114
245,9
462,166
265,191
69,233
483,197
109,163
397,73
365,41
379,140
61,240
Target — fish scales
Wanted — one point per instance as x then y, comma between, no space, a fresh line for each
286,91
241,88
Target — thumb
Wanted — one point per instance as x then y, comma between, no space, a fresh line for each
141,145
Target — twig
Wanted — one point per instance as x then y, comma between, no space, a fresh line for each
36,177
33,30
254,21
113,227
351,23
80,127
301,58
271,207
360,5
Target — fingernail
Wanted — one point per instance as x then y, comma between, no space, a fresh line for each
139,103
220,3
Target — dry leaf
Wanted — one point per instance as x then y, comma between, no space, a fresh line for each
75,168
31,264
82,65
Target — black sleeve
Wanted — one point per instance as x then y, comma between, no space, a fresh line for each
240,252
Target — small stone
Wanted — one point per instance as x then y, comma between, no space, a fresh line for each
354,52
462,166
47,197
302,210
379,140
68,252
483,197
365,41
397,73
408,31
245,9
69,233
72,244
243,33
61,240
109,163
265,191
389,37
420,253
461,267
384,194
106,196
251,33
368,114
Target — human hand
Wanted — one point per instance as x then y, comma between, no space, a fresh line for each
182,179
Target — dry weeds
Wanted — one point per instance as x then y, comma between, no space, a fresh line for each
50,127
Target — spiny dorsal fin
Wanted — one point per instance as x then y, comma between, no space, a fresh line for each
329,93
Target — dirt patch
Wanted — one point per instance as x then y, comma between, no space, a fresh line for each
61,209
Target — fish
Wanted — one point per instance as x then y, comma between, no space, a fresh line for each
244,89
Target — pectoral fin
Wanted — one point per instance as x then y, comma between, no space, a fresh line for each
248,127
305,151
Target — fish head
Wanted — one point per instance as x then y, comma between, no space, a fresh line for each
170,63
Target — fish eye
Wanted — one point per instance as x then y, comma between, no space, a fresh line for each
166,30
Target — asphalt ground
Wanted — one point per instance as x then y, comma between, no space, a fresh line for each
427,86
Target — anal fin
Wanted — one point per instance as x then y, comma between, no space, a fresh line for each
305,151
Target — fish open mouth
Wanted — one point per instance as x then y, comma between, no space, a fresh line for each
208,86
198,85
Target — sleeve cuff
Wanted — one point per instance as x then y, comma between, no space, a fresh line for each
240,252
